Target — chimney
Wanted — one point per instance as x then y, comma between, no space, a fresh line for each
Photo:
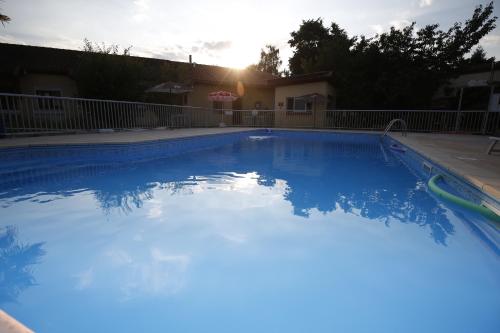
190,59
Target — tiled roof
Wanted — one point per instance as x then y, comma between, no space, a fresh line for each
222,75
16,59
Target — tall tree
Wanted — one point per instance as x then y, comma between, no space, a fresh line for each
308,42
478,57
401,68
270,61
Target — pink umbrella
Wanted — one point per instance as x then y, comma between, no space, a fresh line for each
222,96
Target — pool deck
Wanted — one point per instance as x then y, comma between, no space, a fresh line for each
464,155
10,325
115,137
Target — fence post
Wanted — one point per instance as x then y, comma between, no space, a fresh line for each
3,124
487,112
459,110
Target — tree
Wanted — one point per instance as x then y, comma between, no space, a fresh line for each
401,68
270,61
478,57
308,43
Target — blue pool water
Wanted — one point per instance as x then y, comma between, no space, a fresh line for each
267,232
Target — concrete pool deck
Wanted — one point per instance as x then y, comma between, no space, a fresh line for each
464,155
115,137
10,325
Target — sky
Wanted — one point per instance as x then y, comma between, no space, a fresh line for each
225,33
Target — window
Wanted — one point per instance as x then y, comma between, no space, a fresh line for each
294,104
300,105
49,103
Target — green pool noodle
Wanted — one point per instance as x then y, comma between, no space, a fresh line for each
485,211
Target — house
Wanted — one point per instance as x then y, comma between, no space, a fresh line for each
303,98
48,71
479,86
37,70
297,101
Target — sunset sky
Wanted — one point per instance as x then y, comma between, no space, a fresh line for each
227,33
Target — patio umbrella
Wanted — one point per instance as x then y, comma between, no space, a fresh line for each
222,96
171,88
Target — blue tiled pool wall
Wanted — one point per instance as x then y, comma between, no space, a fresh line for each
122,152
28,162
20,165
453,183
357,138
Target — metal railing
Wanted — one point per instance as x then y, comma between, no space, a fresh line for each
31,114
36,114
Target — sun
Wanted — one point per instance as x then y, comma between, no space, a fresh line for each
238,56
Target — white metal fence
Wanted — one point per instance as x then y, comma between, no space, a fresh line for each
44,114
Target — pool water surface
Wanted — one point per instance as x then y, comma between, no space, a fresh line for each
273,232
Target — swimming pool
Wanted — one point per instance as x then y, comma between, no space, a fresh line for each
282,231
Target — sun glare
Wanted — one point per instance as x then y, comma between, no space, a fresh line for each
238,58
240,54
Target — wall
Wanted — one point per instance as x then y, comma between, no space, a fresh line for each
313,119
265,96
29,83
296,90
199,96
474,97
462,80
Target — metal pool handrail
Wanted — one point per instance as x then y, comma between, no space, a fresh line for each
404,128
485,211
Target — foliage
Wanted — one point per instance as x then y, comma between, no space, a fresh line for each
4,19
102,48
401,68
478,57
270,61
106,73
